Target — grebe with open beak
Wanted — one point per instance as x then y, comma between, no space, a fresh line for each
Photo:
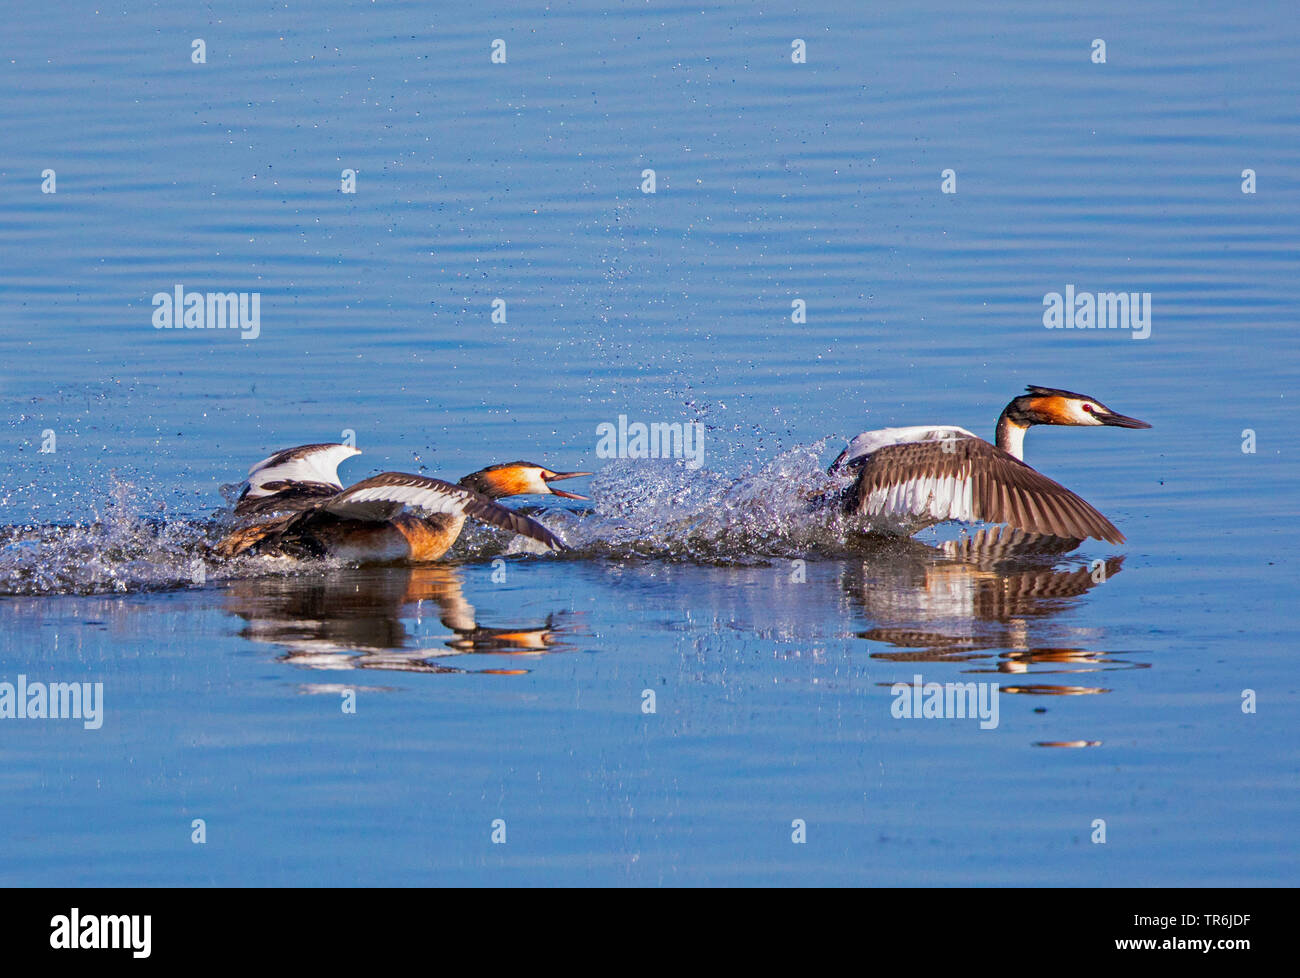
911,478
391,517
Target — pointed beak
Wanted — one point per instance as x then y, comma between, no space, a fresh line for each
564,475
1121,421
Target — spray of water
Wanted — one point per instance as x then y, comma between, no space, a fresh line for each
641,509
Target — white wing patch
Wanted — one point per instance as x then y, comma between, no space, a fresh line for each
311,463
384,501
936,498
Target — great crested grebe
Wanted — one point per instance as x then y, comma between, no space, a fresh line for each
308,510
911,478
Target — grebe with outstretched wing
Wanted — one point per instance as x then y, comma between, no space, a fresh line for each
910,478
299,506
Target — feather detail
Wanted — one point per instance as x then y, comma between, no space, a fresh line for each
380,498
305,464
953,477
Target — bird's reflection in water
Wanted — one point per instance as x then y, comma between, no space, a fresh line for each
362,618
989,608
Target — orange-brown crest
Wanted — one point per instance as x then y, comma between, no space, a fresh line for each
1051,410
509,480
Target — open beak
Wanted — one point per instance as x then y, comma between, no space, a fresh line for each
1121,421
556,477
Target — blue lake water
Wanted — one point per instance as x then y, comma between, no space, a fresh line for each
509,686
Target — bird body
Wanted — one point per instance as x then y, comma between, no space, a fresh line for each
407,538
299,505
911,478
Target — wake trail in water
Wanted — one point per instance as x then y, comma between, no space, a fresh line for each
645,509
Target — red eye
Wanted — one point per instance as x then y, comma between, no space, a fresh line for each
1088,408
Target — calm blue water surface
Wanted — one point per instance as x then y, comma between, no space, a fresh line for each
513,689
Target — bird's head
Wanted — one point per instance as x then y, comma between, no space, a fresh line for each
519,479
1047,405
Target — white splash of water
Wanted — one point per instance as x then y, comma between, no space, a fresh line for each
641,508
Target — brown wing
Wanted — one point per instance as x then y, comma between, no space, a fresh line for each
284,497
969,479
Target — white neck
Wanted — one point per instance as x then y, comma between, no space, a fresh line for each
1011,439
